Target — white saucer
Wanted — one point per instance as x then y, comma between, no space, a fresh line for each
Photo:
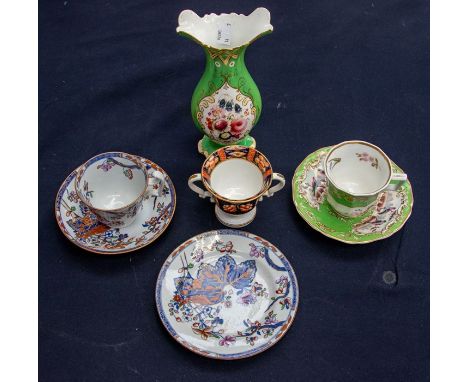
227,294
81,227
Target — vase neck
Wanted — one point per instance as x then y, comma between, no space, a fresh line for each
225,59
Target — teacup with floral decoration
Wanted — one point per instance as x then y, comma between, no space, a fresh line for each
236,178
357,172
113,186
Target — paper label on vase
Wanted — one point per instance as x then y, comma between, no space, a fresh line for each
224,34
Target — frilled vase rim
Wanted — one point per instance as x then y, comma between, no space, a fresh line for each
243,29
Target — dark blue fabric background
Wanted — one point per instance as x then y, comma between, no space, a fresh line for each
114,75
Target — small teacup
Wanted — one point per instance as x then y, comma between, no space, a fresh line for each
236,178
113,186
357,173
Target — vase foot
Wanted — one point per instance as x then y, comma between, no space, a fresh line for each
235,221
206,146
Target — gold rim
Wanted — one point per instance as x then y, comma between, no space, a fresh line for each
120,208
336,238
194,349
119,252
237,201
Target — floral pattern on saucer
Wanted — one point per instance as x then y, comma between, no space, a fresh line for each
227,294
81,226
390,212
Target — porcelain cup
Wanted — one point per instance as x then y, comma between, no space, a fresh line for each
357,172
113,186
236,178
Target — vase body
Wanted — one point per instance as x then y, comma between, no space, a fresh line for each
226,103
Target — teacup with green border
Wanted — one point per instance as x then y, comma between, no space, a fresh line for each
357,173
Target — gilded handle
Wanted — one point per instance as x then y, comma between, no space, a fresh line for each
201,192
156,179
281,182
398,179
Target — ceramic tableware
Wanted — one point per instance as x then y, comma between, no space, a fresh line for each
383,219
113,186
81,226
226,103
227,294
357,172
236,178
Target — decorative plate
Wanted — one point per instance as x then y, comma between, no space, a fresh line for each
227,294
81,227
392,210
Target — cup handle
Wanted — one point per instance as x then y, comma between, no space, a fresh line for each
156,178
397,181
281,182
201,193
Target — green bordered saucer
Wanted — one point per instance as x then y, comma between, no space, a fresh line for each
379,222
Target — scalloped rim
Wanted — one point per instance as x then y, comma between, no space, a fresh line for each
189,22
318,229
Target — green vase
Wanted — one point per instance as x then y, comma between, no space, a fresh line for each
226,103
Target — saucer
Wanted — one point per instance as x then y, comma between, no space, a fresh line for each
227,294
81,227
387,216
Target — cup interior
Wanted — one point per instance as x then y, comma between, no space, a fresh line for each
111,181
358,168
236,179
237,173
